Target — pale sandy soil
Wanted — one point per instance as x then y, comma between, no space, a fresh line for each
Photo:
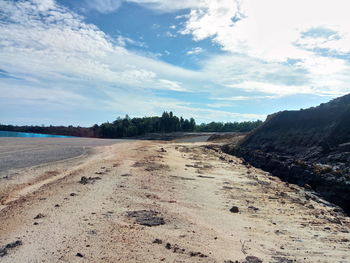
190,186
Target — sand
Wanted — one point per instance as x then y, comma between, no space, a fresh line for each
185,190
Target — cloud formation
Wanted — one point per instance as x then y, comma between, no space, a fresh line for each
55,58
314,34
270,49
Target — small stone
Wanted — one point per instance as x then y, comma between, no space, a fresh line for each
234,209
40,215
168,246
157,241
79,255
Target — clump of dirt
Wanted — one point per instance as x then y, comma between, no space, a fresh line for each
126,175
146,217
52,173
155,167
182,177
162,150
88,180
177,249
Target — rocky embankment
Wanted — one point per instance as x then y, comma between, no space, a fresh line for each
309,147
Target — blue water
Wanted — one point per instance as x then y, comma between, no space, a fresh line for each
27,134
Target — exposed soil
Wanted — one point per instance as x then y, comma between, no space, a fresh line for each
166,202
309,147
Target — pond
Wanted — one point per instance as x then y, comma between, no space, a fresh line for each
27,134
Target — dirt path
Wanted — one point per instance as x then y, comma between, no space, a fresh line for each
186,192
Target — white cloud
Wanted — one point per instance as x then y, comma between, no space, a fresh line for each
103,6
170,5
268,29
124,41
207,115
242,98
267,34
169,34
171,85
283,90
195,51
57,44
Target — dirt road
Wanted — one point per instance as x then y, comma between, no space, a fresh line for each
166,202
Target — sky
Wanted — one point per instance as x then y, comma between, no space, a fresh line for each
81,62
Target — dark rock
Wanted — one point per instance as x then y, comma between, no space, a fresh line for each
79,255
198,254
4,249
252,259
3,252
84,180
14,244
234,209
281,260
147,217
73,194
253,208
157,241
38,216
205,176
168,246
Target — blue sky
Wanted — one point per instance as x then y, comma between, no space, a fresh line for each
89,61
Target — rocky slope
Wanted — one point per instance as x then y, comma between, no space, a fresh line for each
308,147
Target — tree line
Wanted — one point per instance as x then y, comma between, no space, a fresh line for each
131,127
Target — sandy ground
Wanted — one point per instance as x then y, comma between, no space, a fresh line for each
187,188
